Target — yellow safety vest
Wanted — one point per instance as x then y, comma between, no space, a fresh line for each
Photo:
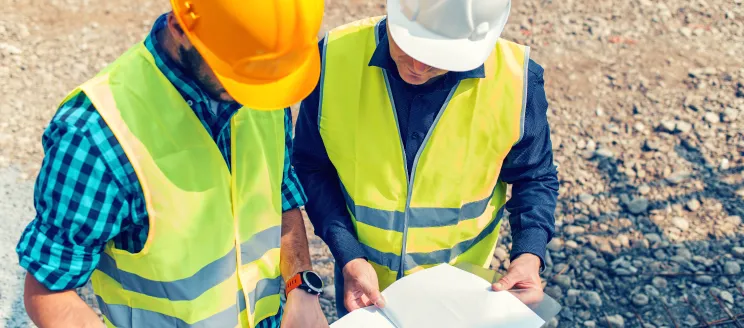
212,254
449,208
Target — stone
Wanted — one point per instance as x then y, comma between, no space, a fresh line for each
734,220
640,299
731,268
680,223
693,205
644,189
599,263
501,254
572,244
604,152
638,205
704,280
730,115
563,281
554,291
586,315
659,282
590,324
329,292
738,252
677,177
592,298
683,127
653,238
615,321
726,297
555,245
724,164
586,199
495,263
691,321
574,230
711,117
651,291
668,126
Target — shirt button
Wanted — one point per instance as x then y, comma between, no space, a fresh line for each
191,103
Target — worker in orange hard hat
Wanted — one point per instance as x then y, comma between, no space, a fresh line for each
167,181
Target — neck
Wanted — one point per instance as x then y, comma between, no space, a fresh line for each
169,45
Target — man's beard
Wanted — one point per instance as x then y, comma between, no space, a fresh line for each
194,67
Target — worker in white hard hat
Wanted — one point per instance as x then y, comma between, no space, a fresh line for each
405,148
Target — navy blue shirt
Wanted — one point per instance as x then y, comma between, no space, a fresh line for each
528,167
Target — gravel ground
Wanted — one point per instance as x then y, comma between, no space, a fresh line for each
647,119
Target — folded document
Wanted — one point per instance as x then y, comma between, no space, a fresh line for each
443,296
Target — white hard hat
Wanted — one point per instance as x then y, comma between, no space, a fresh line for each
453,35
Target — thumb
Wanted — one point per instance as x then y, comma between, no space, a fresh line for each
373,293
506,282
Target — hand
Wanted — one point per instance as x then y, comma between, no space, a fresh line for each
361,288
524,276
303,310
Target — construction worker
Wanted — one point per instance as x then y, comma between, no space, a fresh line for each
406,146
166,179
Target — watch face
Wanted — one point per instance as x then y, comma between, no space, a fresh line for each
313,280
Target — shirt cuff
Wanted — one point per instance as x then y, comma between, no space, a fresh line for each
343,245
532,241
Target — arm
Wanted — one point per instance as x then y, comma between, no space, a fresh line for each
56,309
60,248
302,309
530,170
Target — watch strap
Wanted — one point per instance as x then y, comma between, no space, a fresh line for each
294,282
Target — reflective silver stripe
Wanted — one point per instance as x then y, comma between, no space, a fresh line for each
524,92
185,289
419,217
322,77
264,288
123,316
259,244
392,261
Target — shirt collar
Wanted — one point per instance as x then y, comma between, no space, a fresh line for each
381,57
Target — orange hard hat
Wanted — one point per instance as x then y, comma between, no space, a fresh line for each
264,52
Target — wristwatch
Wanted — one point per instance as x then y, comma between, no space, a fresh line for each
308,281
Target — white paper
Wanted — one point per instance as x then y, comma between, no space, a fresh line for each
445,296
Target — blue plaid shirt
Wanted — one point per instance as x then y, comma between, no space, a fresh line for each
87,192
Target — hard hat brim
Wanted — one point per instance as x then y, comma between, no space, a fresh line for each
458,55
278,94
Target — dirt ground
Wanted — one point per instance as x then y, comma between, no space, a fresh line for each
647,119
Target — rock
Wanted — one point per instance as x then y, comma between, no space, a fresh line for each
726,297
555,245
668,126
734,220
683,127
615,321
501,254
681,223
591,298
9,49
738,252
693,205
563,281
604,152
590,324
572,244
731,268
685,31
677,177
711,117
653,238
691,321
638,205
724,164
574,230
659,282
586,199
644,189
640,299
554,291
599,263
651,291
704,280
639,127
329,292
730,115
495,263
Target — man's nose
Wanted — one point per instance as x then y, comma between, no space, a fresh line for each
419,67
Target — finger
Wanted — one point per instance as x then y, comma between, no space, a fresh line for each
507,281
373,293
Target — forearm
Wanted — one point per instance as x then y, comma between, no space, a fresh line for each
295,254
57,309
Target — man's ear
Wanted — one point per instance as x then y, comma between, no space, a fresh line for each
176,30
